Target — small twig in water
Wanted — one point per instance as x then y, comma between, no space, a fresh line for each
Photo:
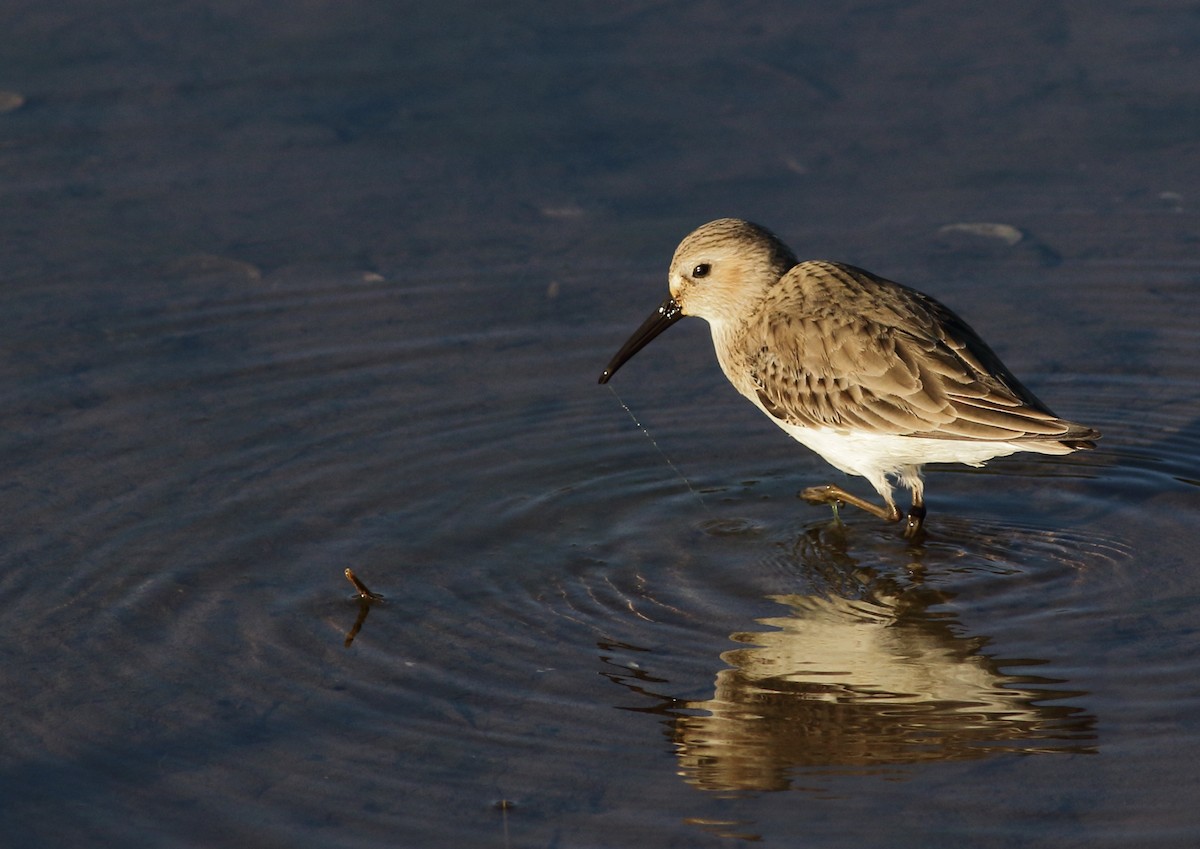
365,599
363,593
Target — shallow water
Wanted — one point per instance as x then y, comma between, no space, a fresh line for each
340,299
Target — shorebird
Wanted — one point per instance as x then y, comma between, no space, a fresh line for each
877,378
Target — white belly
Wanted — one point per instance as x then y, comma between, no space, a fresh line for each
871,454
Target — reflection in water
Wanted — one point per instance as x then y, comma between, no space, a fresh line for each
869,678
365,599
364,607
850,683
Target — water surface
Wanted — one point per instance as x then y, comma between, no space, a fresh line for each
291,291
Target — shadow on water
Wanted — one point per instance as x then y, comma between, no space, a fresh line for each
864,677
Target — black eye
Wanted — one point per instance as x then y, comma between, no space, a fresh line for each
701,270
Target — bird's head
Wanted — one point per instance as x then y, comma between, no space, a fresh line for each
718,271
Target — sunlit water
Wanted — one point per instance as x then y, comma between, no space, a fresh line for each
593,632
573,630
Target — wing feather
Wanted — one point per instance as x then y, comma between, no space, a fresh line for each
835,346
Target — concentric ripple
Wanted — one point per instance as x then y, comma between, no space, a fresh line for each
226,443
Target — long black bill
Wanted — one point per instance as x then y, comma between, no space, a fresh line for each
668,313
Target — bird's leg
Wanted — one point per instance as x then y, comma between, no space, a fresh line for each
916,516
833,494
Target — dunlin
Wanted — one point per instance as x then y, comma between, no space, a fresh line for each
875,377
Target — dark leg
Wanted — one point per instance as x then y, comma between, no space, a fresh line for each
832,494
916,517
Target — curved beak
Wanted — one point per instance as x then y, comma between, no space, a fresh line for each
668,313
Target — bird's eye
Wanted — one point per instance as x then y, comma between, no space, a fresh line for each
701,270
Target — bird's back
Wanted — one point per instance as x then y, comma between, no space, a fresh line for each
833,346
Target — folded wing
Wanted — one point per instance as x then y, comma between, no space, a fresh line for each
890,359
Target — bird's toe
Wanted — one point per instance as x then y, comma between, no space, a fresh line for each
827,494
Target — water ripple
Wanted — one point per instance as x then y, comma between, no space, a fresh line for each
225,451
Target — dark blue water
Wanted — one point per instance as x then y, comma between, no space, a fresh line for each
295,289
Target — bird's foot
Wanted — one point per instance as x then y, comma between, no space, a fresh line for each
833,494
914,525
822,495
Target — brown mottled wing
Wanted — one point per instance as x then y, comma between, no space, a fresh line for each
835,346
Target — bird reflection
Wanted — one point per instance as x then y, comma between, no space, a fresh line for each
865,677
